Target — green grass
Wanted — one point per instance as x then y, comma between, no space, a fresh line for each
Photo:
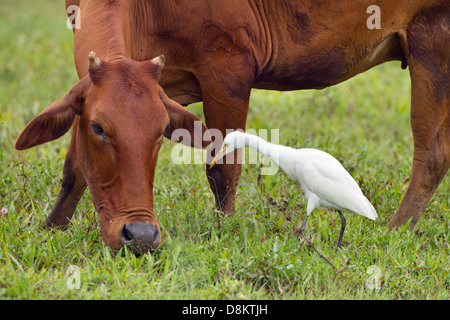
253,254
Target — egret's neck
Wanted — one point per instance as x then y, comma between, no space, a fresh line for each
267,149
281,155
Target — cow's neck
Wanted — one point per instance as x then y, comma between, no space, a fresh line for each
151,21
104,30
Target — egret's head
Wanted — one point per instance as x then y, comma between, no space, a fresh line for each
232,141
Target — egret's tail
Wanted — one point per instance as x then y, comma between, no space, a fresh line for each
366,209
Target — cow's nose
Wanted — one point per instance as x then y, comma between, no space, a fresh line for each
140,237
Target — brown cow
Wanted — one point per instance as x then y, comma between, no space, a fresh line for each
216,51
120,115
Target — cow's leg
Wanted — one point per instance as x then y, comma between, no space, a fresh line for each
428,39
223,178
72,188
225,107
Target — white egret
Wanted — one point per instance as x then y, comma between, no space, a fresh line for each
322,178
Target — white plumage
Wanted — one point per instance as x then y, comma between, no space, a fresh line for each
322,178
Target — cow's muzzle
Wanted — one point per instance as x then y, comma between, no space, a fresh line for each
141,237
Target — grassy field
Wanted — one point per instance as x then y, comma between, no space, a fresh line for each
253,254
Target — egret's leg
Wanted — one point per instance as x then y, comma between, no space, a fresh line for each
341,234
303,226
313,201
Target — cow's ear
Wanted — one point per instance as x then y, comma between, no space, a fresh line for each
180,118
56,119
155,66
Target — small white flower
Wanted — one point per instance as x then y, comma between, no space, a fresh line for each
4,211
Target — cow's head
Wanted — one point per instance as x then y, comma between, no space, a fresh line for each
121,115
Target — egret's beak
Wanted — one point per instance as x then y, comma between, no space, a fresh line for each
219,155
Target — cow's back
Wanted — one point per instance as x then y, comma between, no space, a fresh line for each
287,45
315,44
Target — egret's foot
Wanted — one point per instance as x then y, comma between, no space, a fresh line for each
339,246
299,231
303,227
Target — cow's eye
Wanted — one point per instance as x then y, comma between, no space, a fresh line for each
97,129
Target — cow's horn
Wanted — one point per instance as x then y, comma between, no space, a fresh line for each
94,61
159,61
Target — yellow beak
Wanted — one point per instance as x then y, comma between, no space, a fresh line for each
219,155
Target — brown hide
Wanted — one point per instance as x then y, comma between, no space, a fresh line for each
216,51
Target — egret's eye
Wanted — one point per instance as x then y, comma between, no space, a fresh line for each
97,129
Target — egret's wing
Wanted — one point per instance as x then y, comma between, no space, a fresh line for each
325,165
324,176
